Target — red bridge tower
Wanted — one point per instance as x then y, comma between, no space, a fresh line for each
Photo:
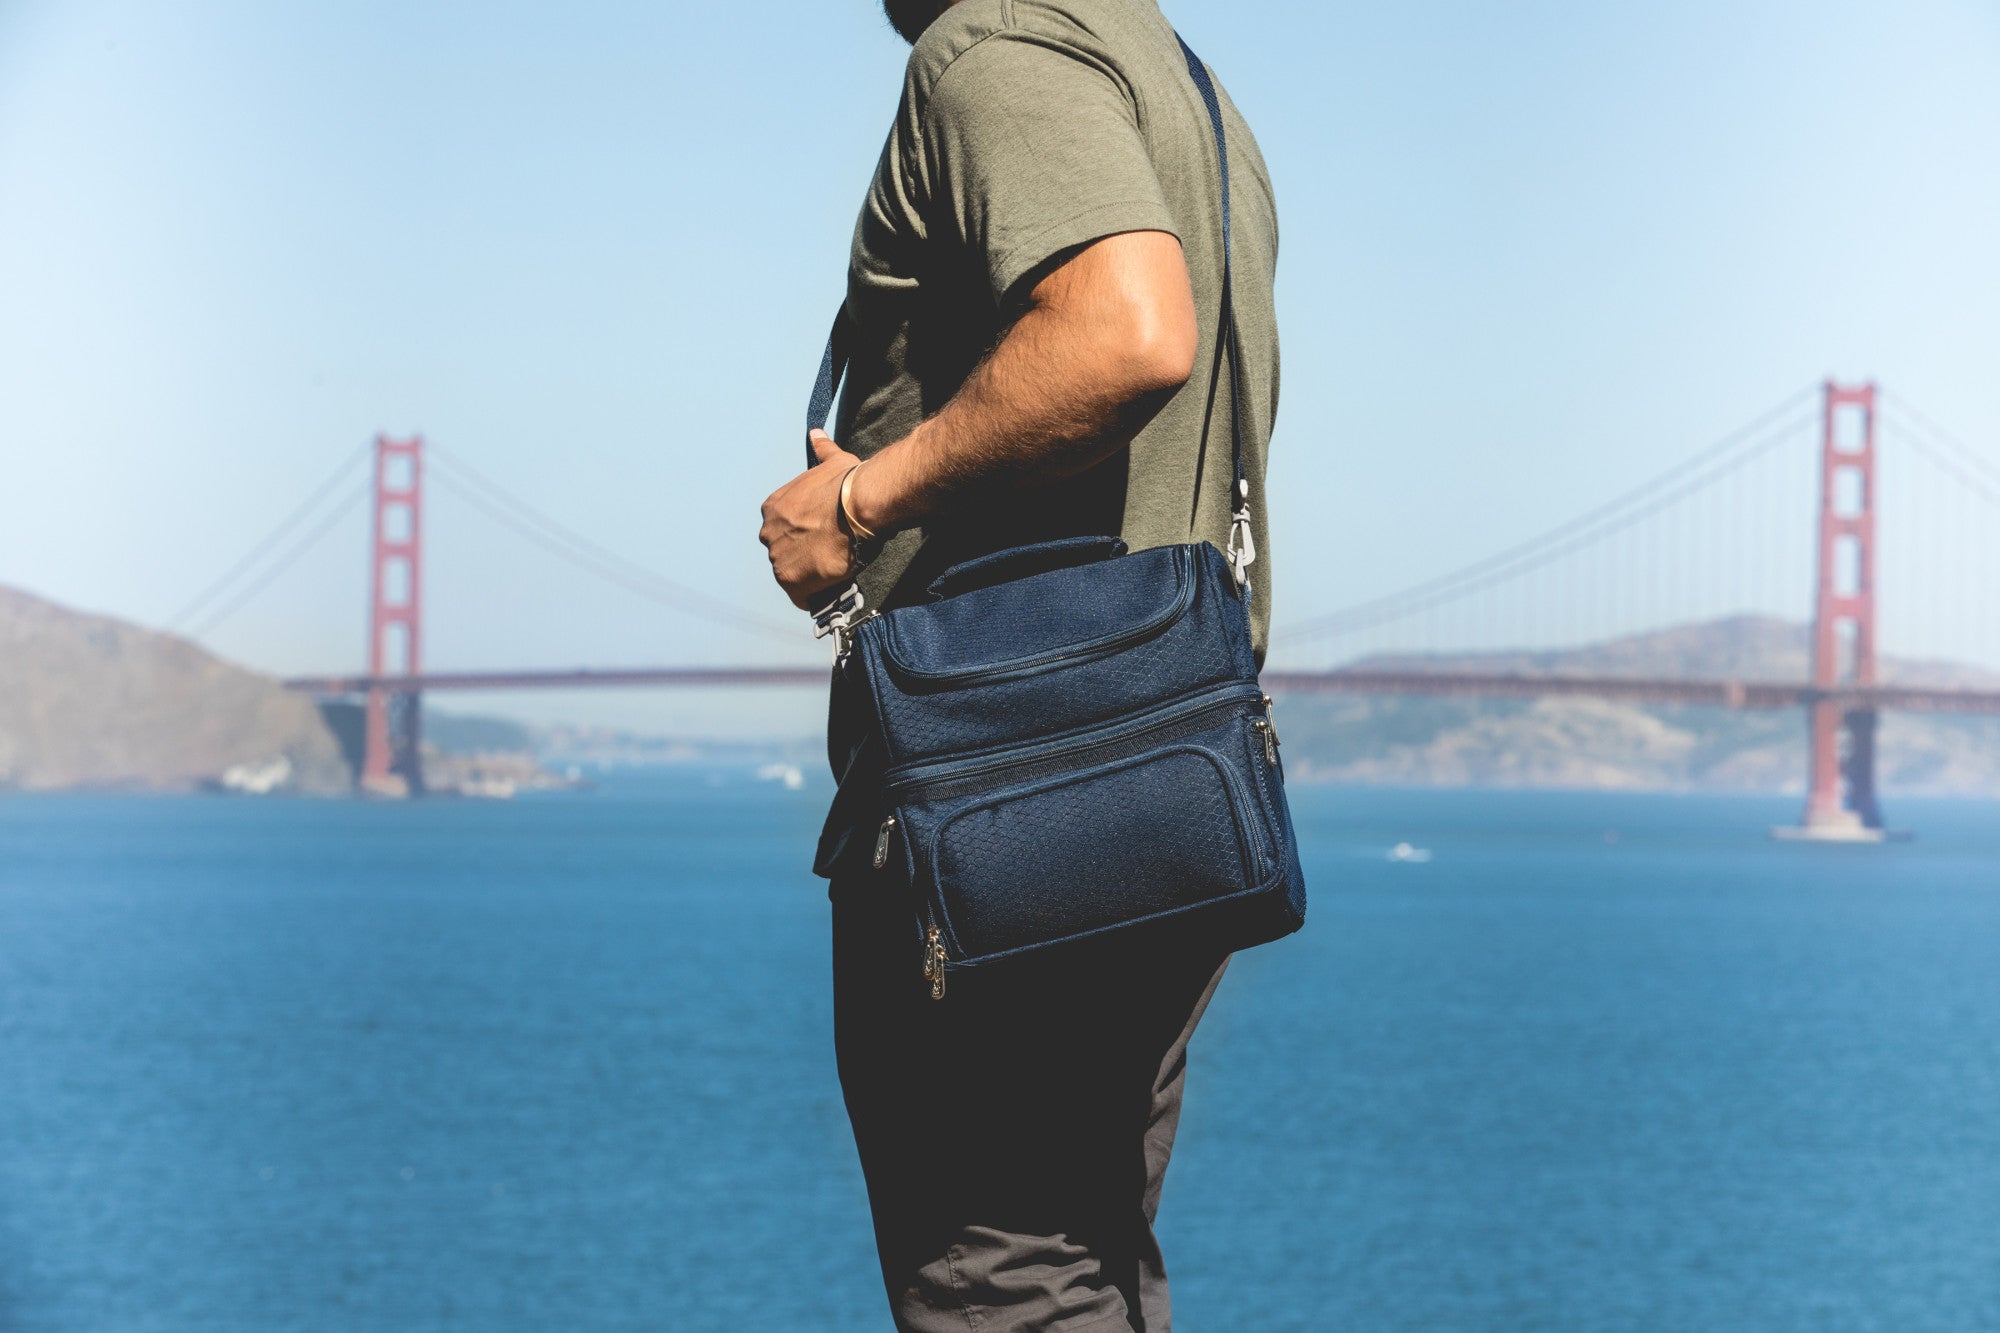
391,763
1840,802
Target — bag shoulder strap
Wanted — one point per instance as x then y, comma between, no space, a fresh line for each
1242,548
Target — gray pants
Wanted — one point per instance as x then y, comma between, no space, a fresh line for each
1014,1134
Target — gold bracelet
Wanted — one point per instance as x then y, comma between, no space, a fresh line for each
854,525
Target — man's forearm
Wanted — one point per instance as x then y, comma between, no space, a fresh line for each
1103,346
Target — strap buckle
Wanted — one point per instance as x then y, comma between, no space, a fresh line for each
838,618
1242,551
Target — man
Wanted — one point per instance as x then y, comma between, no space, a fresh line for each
1034,294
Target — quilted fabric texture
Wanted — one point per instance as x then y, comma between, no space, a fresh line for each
1158,834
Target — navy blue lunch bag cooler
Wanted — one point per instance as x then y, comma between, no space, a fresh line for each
1075,739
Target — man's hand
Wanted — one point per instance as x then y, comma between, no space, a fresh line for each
808,548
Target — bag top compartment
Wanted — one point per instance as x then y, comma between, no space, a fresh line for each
1046,619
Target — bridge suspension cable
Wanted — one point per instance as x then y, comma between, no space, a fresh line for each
1979,462
271,540
503,506
1970,468
1943,510
1952,465
1726,456
311,520
283,562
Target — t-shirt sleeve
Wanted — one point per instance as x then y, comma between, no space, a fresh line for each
1029,151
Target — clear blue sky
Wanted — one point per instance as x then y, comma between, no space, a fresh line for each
1532,253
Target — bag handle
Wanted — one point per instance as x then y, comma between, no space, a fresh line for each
834,612
1020,561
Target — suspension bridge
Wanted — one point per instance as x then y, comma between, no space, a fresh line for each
1730,527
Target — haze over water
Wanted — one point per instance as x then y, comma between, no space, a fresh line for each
1601,1063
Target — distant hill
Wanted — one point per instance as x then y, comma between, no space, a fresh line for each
91,702
1596,744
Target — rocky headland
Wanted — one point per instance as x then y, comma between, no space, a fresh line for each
90,702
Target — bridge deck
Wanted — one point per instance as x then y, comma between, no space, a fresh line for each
1629,689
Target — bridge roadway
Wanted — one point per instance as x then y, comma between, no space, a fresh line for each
1629,689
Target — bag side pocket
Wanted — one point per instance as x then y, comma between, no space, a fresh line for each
1155,834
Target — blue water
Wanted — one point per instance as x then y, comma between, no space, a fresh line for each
1603,1063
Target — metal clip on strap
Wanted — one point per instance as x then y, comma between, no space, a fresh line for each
1242,545
838,617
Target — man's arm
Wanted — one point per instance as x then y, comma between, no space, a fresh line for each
1106,339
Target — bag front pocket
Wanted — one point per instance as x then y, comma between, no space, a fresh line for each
1150,835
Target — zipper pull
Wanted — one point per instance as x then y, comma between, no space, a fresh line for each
934,962
1269,726
882,842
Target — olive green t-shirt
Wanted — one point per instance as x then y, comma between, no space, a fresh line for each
1028,129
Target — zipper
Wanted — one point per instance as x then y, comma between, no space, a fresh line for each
1248,803
933,941
882,841
1267,726
934,960
1068,655
933,780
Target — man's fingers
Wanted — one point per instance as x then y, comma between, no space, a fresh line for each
807,550
803,585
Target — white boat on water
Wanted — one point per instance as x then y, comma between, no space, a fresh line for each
788,774
1403,851
488,787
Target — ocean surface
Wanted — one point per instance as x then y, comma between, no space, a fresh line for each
1600,1063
